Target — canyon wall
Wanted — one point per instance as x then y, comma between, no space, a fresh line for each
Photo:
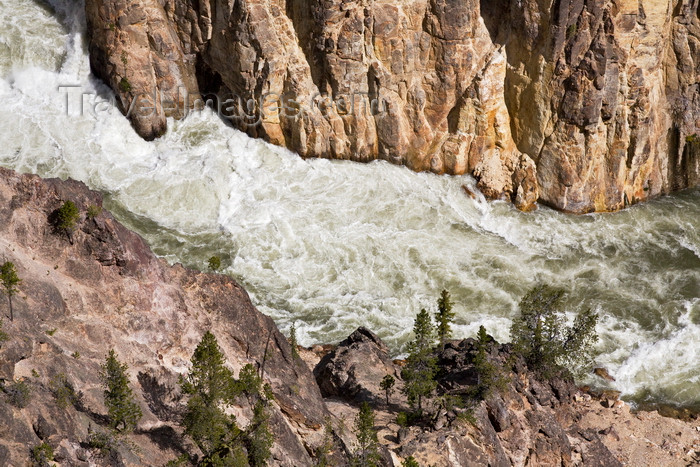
585,105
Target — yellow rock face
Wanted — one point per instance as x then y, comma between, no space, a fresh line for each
585,111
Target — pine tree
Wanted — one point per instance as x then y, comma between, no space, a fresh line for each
124,412
10,281
367,453
210,387
419,372
444,318
489,375
542,338
259,438
66,218
387,385
293,340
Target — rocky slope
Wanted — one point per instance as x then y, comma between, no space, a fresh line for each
107,290
586,105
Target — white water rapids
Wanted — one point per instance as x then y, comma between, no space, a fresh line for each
335,245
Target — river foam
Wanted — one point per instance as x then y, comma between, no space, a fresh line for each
334,245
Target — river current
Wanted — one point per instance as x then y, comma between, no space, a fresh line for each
335,245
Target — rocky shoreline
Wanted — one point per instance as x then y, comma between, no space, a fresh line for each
107,290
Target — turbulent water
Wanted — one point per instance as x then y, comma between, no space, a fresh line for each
334,245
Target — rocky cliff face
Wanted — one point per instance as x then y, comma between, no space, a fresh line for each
586,105
107,290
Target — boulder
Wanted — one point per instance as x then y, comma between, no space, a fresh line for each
355,368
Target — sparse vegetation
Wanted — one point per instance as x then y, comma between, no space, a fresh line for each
104,443
18,393
419,372
3,335
42,455
51,332
387,385
124,85
467,416
571,31
402,419
93,211
293,340
66,217
323,451
124,413
181,461
444,318
410,462
214,263
367,452
692,139
75,355
541,336
64,392
10,282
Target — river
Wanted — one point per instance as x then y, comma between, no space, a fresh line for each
335,245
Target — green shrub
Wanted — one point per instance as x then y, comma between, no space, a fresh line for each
541,336
124,412
94,211
124,85
402,419
103,442
42,454
450,402
691,139
571,31
3,335
18,393
51,332
467,416
214,263
67,216
181,461
64,392
410,462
